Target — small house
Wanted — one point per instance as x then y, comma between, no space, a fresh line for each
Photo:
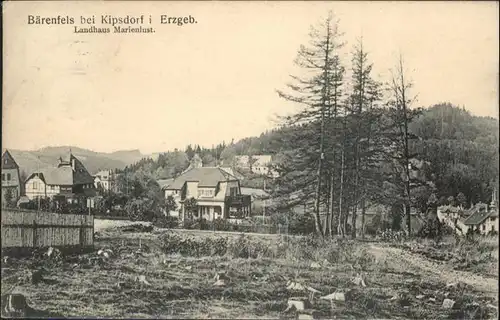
483,219
11,180
69,181
217,193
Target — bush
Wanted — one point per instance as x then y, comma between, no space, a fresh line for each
243,247
309,248
203,224
377,224
191,224
166,222
390,235
301,224
189,246
431,229
222,225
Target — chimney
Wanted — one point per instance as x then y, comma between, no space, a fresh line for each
493,204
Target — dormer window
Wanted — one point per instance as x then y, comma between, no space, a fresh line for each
205,193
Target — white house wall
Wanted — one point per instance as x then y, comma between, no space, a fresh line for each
221,195
191,190
35,187
489,225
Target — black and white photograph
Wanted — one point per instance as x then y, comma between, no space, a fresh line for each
250,160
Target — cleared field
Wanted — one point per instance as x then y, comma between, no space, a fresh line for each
140,280
102,224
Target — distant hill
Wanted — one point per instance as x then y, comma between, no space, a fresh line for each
30,161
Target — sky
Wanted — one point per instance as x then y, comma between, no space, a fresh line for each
217,79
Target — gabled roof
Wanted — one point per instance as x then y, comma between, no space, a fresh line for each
164,183
65,175
228,170
478,217
255,192
81,175
233,172
8,161
205,176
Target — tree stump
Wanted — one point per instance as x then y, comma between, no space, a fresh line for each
14,306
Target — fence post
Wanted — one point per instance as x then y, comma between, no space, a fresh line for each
81,241
35,234
93,233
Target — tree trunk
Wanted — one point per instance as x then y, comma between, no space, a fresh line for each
324,101
346,217
340,227
326,227
356,195
363,211
317,221
403,87
332,203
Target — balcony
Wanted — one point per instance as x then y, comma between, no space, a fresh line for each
239,201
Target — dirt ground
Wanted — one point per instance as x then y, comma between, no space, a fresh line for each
138,280
103,224
442,271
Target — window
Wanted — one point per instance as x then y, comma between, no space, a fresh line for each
3,176
205,193
8,176
483,227
233,191
35,185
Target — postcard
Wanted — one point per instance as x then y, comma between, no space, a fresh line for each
250,159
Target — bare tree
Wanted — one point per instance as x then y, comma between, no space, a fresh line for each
401,103
365,91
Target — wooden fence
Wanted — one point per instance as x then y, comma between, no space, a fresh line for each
31,229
